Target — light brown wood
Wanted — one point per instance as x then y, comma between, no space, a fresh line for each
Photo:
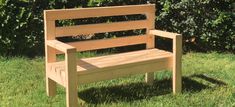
177,54
96,63
61,14
100,28
72,72
60,46
164,34
149,77
108,43
123,71
71,79
50,55
138,61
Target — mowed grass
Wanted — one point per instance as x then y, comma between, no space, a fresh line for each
208,80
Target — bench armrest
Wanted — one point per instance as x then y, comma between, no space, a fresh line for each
177,40
63,47
164,34
177,57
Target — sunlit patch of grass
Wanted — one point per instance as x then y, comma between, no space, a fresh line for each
208,80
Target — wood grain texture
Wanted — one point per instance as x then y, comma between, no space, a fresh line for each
71,72
177,54
63,47
50,55
149,77
88,65
100,28
164,34
108,43
139,61
61,14
71,79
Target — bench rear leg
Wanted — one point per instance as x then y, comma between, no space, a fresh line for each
51,87
149,78
50,84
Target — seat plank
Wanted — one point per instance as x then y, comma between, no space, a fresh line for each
123,58
95,64
122,71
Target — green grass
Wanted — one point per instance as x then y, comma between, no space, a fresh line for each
208,80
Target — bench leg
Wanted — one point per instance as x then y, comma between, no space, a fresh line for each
71,79
72,96
149,78
177,79
177,54
51,87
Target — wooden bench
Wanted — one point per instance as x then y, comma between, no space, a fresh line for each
72,71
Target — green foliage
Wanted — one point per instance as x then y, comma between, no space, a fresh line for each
205,24
22,25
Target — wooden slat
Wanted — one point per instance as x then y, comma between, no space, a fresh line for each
149,77
125,71
86,65
118,65
63,47
61,14
57,76
108,43
123,58
114,72
164,34
100,28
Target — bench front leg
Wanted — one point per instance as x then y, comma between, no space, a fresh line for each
71,79
177,54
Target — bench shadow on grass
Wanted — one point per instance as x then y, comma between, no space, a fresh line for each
138,91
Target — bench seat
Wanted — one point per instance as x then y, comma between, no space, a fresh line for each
159,59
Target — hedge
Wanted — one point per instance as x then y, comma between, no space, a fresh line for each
206,25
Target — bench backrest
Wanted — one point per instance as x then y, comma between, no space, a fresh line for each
52,31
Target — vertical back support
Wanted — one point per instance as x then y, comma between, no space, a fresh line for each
50,54
149,77
70,66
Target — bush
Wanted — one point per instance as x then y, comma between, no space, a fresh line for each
205,25
22,25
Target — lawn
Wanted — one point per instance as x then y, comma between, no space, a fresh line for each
208,80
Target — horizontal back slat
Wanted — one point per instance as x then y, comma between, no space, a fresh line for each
100,28
76,30
61,14
107,43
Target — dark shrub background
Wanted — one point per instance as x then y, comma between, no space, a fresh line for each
206,25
